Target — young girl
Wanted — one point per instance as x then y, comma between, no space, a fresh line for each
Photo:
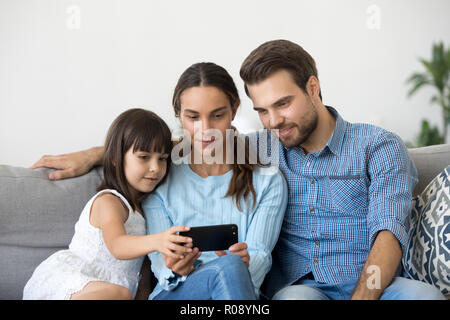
109,244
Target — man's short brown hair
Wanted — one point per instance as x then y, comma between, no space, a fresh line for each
277,55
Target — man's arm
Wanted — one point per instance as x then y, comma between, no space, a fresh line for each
380,267
392,179
71,164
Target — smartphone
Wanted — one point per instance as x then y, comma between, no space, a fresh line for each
211,238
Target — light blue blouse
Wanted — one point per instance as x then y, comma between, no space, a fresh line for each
185,198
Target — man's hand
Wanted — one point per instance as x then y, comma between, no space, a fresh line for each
240,249
71,164
183,266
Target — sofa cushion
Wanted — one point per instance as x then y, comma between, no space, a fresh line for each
428,255
37,218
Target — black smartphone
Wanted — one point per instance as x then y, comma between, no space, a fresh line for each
211,238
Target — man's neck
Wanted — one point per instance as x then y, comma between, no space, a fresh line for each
319,138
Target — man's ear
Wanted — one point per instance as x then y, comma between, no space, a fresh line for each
313,87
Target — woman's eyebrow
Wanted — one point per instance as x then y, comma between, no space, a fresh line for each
191,111
215,110
219,109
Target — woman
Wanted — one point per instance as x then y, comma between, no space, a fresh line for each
210,192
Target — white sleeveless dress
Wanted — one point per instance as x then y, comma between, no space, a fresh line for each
87,259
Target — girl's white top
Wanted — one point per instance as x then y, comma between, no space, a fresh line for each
87,259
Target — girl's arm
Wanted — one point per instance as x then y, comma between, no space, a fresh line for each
109,214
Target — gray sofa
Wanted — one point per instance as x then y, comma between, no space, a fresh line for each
37,216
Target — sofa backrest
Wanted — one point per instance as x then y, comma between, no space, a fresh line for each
429,162
37,218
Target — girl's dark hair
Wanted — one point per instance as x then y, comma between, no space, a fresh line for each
144,131
210,74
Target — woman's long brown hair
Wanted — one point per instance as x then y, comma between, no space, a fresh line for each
144,131
210,74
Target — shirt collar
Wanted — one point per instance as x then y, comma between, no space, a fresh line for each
335,142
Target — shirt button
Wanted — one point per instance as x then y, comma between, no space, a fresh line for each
307,164
316,243
311,210
311,181
315,261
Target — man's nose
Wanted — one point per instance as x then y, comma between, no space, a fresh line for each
275,120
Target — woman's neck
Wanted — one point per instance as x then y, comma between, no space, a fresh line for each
205,170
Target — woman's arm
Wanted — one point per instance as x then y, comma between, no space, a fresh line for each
264,229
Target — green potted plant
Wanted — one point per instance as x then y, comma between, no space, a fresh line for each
437,75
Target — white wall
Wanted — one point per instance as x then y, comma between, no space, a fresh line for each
64,77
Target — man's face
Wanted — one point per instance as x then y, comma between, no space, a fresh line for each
281,104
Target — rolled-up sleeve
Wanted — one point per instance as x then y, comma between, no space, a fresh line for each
393,177
157,221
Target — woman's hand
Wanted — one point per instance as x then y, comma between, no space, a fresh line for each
71,164
183,266
240,249
168,242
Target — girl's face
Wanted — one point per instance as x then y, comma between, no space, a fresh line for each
144,170
203,109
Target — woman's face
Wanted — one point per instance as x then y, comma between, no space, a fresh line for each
206,113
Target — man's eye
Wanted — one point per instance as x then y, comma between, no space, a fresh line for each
219,115
192,117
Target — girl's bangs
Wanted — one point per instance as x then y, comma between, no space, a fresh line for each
152,138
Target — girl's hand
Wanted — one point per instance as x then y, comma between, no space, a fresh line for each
168,242
240,249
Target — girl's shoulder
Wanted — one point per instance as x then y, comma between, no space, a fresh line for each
111,202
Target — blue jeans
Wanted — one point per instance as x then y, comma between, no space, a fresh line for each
224,278
400,289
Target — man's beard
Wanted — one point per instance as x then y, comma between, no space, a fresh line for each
301,132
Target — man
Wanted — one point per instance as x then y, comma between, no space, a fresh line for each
350,187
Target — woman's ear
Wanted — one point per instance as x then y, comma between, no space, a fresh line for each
234,108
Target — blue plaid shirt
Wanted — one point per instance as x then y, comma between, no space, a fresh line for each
339,198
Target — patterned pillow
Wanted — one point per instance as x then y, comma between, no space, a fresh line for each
427,257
